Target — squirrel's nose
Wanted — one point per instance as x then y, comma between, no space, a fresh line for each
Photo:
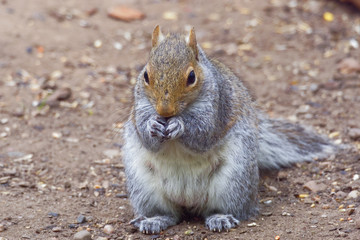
165,109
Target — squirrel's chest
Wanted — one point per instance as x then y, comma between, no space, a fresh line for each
184,177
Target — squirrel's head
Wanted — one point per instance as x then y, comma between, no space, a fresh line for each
172,77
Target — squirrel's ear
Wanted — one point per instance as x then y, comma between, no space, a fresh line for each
157,36
191,41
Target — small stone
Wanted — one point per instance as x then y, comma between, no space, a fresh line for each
125,13
313,186
253,224
56,75
267,214
82,235
282,175
108,229
354,133
2,228
81,219
350,211
354,43
121,195
4,120
26,158
111,153
328,16
353,194
118,45
98,43
102,238
189,232
357,223
4,180
314,87
56,135
67,185
170,15
334,134
57,229
59,95
53,214
356,177
24,184
71,225
18,112
340,195
348,66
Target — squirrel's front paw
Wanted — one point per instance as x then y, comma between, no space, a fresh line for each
156,127
219,222
175,128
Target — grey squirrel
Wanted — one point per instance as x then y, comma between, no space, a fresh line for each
196,141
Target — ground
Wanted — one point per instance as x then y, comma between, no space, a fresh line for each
60,157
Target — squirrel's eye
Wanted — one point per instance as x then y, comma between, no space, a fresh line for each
191,78
146,77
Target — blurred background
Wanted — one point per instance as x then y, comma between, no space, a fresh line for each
67,69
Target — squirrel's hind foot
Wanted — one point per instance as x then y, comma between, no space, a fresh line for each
220,222
153,225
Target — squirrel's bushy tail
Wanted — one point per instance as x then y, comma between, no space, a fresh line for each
283,144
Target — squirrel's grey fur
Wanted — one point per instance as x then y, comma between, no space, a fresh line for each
205,161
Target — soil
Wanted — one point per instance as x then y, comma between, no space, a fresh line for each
60,154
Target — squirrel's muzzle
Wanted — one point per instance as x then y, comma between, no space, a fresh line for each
165,109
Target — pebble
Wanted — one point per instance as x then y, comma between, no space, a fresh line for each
357,223
56,75
314,87
57,229
56,135
2,228
26,158
253,224
126,14
4,120
313,186
71,225
82,235
348,66
282,175
356,177
81,219
24,184
354,133
266,214
118,45
4,180
353,194
121,195
111,153
170,15
108,229
53,214
102,238
59,95
340,195
98,43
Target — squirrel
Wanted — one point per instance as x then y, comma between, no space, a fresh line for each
196,141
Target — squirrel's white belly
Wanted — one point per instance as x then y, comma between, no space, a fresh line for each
181,176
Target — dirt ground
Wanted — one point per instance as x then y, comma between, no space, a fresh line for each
60,160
